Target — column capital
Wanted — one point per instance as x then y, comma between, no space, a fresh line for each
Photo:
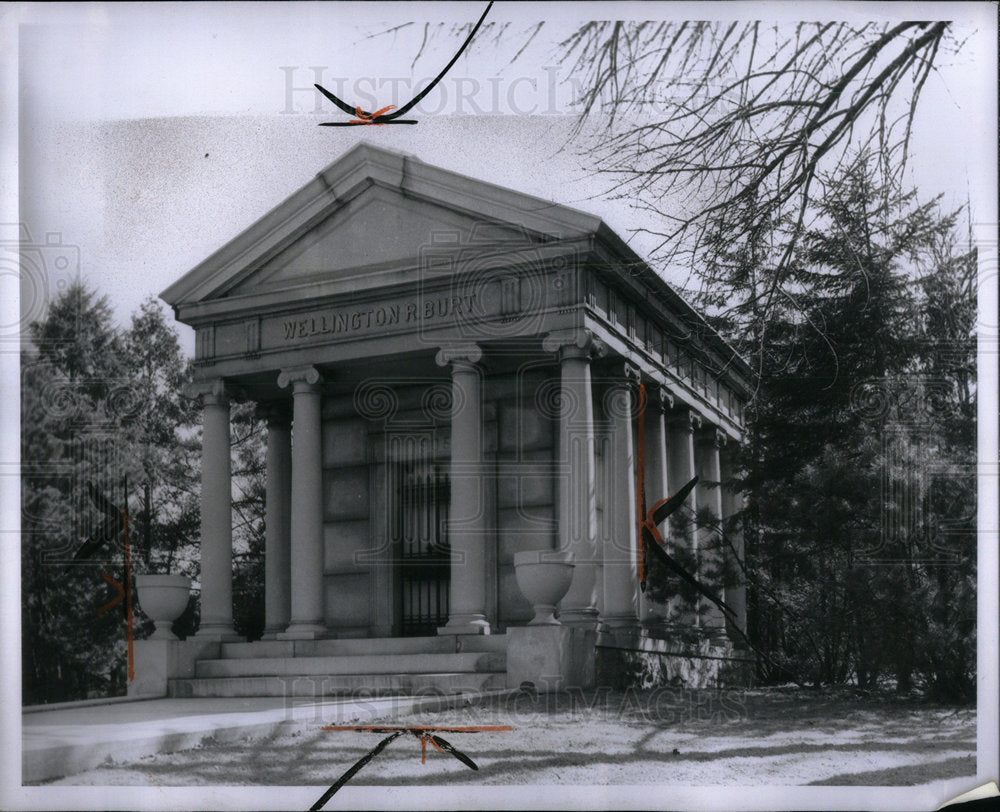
294,376
458,355
275,412
712,435
730,450
573,343
621,371
213,392
657,397
686,418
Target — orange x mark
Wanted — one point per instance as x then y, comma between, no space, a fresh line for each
364,118
115,600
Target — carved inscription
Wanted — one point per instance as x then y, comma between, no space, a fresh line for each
377,316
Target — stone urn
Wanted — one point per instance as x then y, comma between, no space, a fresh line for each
544,577
163,598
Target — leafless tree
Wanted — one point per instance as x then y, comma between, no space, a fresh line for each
722,131
731,122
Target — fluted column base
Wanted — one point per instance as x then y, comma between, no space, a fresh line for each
223,632
581,618
618,623
303,631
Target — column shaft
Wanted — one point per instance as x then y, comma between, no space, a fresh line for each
466,515
576,480
621,585
710,553
651,613
308,616
682,538
216,519
277,524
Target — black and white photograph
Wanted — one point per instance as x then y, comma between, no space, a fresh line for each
499,405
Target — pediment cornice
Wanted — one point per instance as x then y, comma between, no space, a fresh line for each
361,169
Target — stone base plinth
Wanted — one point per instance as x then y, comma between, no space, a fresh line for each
580,618
303,631
625,660
218,636
619,624
157,661
550,657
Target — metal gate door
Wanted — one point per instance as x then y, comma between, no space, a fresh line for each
424,557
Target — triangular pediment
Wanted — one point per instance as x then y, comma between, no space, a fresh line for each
374,226
380,229
371,214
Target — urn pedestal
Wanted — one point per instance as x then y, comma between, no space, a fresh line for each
547,654
544,577
163,598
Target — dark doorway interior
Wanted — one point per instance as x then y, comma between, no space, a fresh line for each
420,532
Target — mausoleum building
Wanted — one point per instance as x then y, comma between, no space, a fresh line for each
449,372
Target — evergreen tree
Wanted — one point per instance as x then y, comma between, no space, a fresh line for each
159,424
68,650
99,405
866,394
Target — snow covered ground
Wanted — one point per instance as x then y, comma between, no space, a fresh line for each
664,736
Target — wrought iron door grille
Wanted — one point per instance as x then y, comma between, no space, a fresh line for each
421,533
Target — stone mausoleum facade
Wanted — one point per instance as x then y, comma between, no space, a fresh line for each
449,373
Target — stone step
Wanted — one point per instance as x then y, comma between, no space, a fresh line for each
440,644
352,664
481,642
357,685
337,647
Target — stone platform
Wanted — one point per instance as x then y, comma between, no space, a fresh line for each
316,669
69,739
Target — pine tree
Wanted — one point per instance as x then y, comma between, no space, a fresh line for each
840,560
68,650
99,406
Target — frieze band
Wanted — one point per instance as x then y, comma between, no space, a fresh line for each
386,315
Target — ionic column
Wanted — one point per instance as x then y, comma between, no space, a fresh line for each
576,486
732,506
308,617
466,516
216,514
710,555
621,584
277,519
681,425
658,402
